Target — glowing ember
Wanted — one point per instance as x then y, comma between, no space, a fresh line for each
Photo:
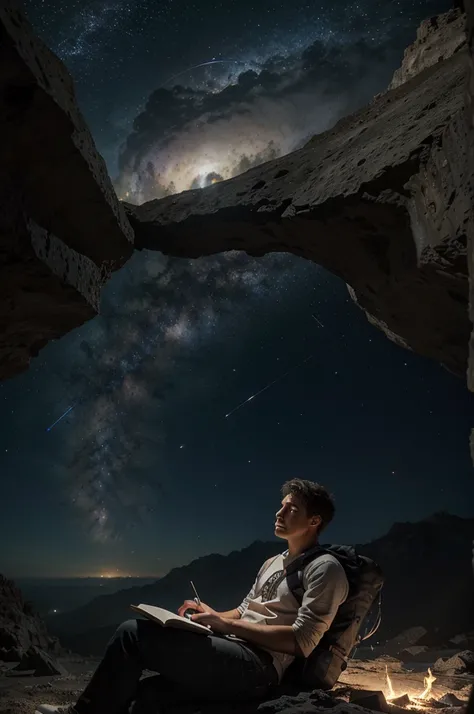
416,701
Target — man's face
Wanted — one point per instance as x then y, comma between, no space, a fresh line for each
292,520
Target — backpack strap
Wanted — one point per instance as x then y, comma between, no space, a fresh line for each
295,571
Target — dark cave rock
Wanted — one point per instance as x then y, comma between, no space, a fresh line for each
62,228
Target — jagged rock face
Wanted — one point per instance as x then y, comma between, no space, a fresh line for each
470,128
62,228
381,200
20,628
437,39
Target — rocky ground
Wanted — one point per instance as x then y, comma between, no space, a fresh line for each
20,693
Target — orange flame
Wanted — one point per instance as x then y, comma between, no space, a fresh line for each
391,694
428,682
415,700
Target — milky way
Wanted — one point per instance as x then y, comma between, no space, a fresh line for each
157,313
291,79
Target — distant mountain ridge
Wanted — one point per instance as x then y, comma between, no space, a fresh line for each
221,579
427,566
64,594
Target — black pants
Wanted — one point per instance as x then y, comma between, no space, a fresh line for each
205,667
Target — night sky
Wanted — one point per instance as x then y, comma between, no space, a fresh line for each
146,472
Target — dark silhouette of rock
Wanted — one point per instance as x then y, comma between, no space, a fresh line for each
380,200
469,101
464,640
460,663
39,663
62,227
451,700
402,701
20,628
413,557
404,639
375,701
442,606
417,653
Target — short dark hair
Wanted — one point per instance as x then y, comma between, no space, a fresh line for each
316,499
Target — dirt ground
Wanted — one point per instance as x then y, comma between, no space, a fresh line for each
21,694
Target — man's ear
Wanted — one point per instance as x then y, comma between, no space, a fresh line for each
316,521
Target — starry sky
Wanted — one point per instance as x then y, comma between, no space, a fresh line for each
146,471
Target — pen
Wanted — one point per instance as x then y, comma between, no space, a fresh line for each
197,598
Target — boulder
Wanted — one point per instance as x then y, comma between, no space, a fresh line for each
375,701
39,663
461,663
381,200
451,700
62,228
402,701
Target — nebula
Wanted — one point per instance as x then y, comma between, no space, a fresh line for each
225,126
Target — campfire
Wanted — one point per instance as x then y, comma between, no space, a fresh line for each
411,701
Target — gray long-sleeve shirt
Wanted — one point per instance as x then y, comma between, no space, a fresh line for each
271,602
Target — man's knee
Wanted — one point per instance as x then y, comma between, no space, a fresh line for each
127,629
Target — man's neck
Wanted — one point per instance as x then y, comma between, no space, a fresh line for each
300,545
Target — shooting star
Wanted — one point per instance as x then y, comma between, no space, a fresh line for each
264,389
61,417
203,64
318,321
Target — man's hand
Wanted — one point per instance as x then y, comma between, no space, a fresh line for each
192,605
214,621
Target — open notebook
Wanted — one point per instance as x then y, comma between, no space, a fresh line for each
169,619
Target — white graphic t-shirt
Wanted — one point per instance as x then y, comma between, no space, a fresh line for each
271,602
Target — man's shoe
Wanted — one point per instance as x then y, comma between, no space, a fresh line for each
55,709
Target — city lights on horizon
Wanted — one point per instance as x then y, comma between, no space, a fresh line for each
101,575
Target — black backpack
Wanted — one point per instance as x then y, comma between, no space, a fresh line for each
329,659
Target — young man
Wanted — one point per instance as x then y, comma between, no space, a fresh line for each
269,629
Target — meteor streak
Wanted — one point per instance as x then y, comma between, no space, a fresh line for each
61,417
282,376
318,321
203,64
